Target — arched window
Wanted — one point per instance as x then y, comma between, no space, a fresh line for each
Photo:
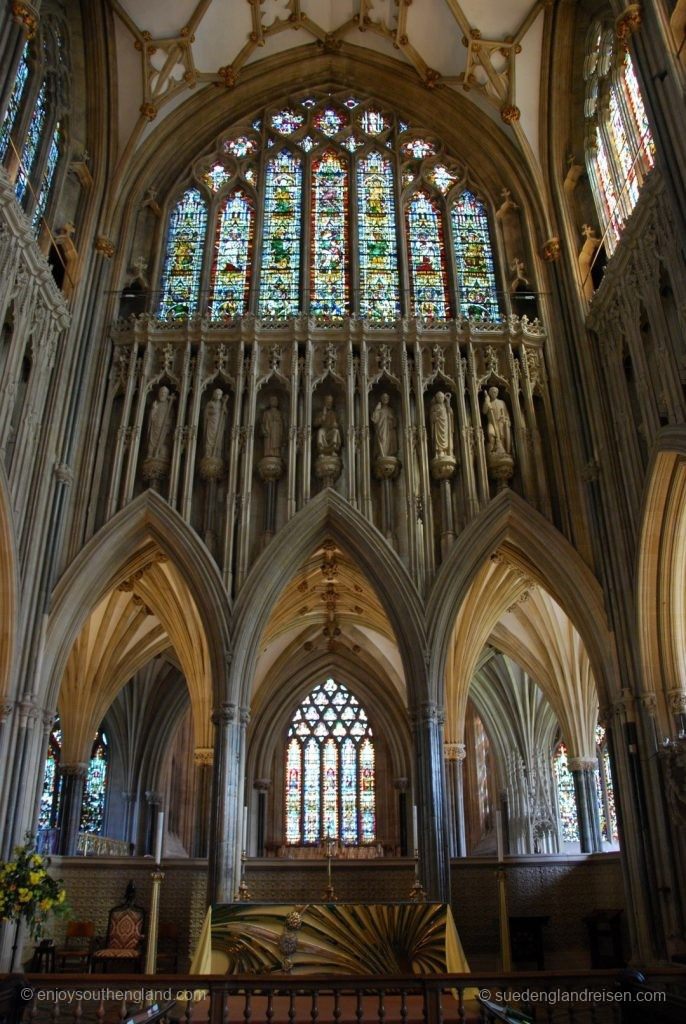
604,792
605,788
620,150
52,782
566,799
353,212
95,787
330,789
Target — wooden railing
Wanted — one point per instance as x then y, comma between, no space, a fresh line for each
573,997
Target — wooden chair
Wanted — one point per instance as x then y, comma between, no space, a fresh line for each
78,946
168,949
123,944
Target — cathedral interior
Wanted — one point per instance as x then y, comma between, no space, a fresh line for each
343,460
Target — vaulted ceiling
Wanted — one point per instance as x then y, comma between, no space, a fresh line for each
487,50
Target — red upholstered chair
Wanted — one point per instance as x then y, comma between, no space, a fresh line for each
125,934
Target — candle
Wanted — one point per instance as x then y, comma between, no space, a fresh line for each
158,837
245,828
415,830
499,833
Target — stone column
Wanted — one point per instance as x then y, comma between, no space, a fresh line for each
230,723
129,800
434,855
583,772
677,706
400,786
203,758
262,786
454,755
71,798
154,801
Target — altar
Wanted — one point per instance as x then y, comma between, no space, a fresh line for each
330,939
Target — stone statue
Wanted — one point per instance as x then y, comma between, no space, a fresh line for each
160,425
212,463
272,429
441,416
386,434
328,437
520,279
586,258
499,426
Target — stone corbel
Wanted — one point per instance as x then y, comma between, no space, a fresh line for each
628,23
26,15
203,757
677,701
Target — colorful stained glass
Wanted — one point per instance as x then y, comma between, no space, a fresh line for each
183,262
442,178
216,177
644,135
623,154
379,292
31,144
352,143
373,122
285,122
47,179
566,798
240,146
52,783
14,102
250,175
474,258
293,791
408,177
257,124
607,191
329,122
309,102
402,126
429,285
95,788
605,789
331,734
351,103
329,277
418,148
307,143
280,280
230,277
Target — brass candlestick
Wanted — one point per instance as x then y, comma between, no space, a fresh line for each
329,892
151,952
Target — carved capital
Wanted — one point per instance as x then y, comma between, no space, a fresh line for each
225,714
78,769
26,15
104,246
153,798
510,114
262,785
628,22
677,701
551,250
649,703
454,751
582,764
401,784
203,756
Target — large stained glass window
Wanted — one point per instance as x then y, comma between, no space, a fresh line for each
31,144
183,263
379,298
329,277
52,782
566,799
94,790
330,784
230,278
632,93
14,102
48,175
280,280
605,788
427,259
474,258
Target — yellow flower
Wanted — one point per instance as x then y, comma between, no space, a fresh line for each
36,860
46,904
62,895
24,895
36,876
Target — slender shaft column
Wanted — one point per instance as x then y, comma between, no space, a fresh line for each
154,802
454,755
583,773
71,799
400,785
230,723
262,786
434,857
204,759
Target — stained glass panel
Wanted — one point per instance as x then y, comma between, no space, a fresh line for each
240,146
280,281
373,122
429,285
52,783
250,175
329,122
418,148
31,144
230,277
379,293
442,178
285,122
307,143
565,796
216,177
14,102
329,278
48,175
637,108
623,154
352,143
331,732
351,103
474,258
94,790
183,262
607,191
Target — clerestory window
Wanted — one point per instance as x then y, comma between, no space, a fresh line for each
329,206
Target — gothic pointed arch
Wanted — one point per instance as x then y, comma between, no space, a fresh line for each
8,588
328,515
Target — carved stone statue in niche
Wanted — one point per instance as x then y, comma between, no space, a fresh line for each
327,442
441,422
214,421
586,258
498,436
160,424
270,467
385,438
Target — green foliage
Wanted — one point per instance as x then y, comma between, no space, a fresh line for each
27,891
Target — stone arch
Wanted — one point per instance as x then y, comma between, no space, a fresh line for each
329,515
9,597
661,570
533,547
105,562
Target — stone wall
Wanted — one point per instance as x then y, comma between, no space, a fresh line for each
565,889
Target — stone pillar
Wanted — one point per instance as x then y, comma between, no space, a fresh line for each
677,706
71,799
400,786
454,755
434,855
203,758
262,786
129,801
154,801
583,772
230,723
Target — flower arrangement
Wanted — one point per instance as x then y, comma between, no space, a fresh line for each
27,892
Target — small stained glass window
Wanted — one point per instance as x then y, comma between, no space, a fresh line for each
329,278
95,788
250,175
374,122
216,177
230,277
379,291
14,102
48,176
285,122
427,259
240,146
306,143
31,144
330,784
474,258
279,284
351,103
52,782
183,263
352,143
566,799
442,178
418,148
329,122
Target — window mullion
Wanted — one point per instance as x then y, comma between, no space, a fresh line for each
306,250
